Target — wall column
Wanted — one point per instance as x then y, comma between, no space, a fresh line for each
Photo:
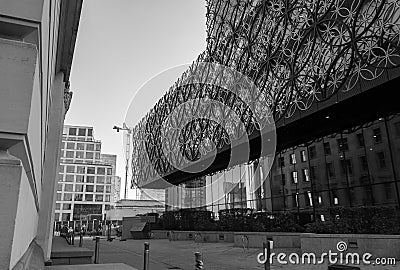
10,177
51,166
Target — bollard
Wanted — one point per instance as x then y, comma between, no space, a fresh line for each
199,261
96,250
146,256
267,249
80,239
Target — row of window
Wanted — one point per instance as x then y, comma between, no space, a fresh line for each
346,167
80,132
81,146
85,179
81,155
86,169
81,188
79,197
312,151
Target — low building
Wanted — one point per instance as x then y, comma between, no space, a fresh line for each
131,208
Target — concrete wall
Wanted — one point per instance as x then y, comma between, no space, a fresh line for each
25,9
24,232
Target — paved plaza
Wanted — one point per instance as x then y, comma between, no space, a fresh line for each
180,255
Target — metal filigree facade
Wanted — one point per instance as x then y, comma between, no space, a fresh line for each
295,52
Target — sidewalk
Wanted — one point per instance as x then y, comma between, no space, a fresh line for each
114,266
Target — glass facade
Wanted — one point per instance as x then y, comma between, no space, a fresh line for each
354,167
82,176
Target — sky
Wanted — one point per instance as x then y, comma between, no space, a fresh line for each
122,52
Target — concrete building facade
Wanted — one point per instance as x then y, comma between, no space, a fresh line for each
37,40
86,181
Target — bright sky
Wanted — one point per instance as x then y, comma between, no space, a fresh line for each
121,45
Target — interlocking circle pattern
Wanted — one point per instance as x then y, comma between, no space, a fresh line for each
296,53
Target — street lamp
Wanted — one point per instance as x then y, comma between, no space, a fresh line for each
127,153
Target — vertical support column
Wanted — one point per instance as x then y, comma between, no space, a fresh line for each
50,166
10,176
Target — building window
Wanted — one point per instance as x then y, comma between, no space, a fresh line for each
90,179
308,197
59,187
72,131
60,177
80,178
97,155
79,154
293,159
281,162
90,132
69,154
295,198
89,197
363,163
58,206
330,168
109,171
388,190
66,206
82,132
397,128
89,188
80,146
100,189
347,166
62,168
79,197
107,207
69,178
70,146
327,148
90,147
312,151
70,169
108,180
108,189
100,179
303,156
306,175
98,147
343,144
377,135
80,169
313,172
99,198
89,155
335,200
59,197
91,170
360,140
319,199
78,188
107,198
67,197
101,170
66,217
294,177
380,156
69,187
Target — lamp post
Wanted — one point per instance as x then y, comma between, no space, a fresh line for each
127,152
